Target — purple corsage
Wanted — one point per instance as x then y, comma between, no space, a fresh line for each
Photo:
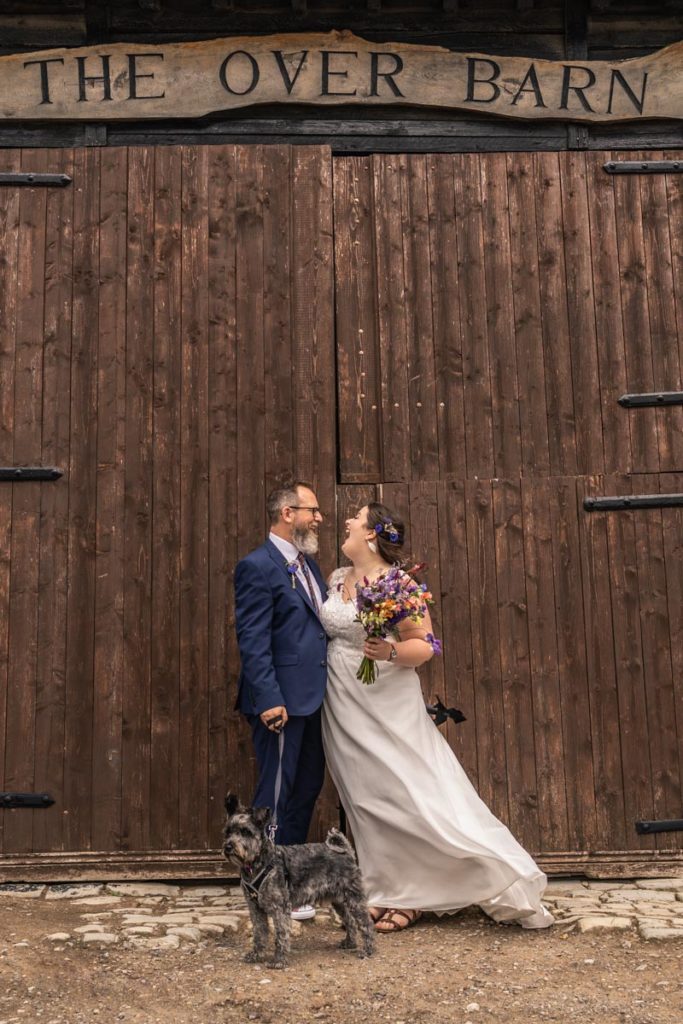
292,569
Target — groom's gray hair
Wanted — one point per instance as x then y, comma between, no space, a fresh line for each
283,496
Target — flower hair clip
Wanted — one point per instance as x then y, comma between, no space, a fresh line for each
386,526
292,568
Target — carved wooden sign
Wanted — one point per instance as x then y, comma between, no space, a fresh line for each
133,82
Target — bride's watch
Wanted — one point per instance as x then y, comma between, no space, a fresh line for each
393,653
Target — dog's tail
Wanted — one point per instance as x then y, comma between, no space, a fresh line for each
338,842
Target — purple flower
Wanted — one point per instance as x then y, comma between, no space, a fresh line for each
433,643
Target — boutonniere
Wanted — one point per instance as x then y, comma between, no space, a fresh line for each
292,569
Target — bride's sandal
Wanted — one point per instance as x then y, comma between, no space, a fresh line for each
397,920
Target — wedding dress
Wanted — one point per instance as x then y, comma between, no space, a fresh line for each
424,838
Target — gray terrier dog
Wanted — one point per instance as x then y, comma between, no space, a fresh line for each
276,878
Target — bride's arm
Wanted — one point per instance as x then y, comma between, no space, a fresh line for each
412,647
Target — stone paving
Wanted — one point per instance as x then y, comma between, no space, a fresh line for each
157,916
651,906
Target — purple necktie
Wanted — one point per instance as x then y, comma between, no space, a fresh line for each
309,582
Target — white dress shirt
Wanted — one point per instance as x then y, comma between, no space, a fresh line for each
291,554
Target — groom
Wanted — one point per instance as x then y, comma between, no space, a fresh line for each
279,591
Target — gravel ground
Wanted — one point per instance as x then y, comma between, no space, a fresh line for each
450,969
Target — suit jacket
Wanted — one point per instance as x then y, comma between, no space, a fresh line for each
283,646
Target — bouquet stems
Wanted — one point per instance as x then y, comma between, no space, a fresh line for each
367,671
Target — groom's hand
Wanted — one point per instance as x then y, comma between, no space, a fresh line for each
274,719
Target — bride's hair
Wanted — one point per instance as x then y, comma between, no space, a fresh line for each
389,530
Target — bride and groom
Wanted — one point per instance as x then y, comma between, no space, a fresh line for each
424,838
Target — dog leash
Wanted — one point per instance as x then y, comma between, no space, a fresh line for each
272,828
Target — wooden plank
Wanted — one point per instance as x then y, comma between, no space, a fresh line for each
358,384
9,233
448,355
507,449
661,304
672,539
611,825
424,542
165,597
137,524
313,330
110,553
533,415
609,327
23,593
313,355
54,509
581,316
571,650
424,441
250,384
203,864
634,304
633,727
194,514
350,498
543,665
490,718
472,277
251,517
674,193
223,495
455,619
82,503
392,326
514,662
554,316
657,661
277,333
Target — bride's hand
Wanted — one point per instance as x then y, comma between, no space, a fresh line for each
377,649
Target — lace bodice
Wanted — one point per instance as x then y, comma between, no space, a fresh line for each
338,617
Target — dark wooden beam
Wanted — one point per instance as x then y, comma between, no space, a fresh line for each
576,48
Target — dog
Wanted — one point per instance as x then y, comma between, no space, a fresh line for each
276,878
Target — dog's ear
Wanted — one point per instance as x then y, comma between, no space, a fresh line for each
262,816
231,804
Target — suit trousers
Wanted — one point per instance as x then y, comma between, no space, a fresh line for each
303,773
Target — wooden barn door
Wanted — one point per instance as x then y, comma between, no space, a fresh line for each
166,340
491,309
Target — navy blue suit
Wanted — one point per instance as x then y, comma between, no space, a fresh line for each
283,649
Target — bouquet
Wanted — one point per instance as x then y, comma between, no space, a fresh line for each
381,605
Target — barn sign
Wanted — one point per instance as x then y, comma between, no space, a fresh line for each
130,81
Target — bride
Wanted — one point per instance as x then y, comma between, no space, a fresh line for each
425,840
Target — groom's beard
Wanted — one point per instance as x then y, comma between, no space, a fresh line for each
305,540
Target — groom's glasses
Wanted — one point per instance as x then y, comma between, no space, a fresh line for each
313,509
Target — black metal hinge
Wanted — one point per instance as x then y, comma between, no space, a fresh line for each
25,800
629,502
30,179
644,828
20,474
651,398
643,166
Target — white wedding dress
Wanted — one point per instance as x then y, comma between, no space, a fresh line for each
424,838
